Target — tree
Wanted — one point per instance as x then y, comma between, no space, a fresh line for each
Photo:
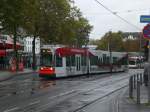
64,24
93,42
114,40
11,17
83,31
44,19
78,28
55,13
132,45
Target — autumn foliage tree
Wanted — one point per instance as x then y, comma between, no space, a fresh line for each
118,42
113,40
132,45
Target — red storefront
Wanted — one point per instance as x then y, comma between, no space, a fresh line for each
7,58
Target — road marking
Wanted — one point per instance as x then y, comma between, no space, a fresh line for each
35,102
66,93
13,109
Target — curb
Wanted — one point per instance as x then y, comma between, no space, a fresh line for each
16,74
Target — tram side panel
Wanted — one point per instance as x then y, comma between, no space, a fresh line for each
75,65
99,63
60,67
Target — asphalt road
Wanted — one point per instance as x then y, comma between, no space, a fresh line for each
29,93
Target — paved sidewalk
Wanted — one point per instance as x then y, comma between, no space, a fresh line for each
130,105
5,75
119,102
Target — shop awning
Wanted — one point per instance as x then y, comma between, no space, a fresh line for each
1,44
2,53
10,45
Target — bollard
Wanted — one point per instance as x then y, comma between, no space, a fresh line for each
134,81
148,91
141,78
131,87
137,77
138,91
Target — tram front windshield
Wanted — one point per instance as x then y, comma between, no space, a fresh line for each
46,60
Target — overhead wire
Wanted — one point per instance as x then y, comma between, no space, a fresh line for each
117,12
114,13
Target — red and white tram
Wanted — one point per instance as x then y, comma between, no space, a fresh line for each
64,62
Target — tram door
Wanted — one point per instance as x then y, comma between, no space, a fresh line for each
78,63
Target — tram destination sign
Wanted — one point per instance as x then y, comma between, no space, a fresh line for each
146,32
145,19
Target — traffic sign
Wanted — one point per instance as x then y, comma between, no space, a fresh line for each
146,32
145,19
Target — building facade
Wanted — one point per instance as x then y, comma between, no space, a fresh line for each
28,51
28,45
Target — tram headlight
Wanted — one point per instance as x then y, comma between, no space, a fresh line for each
51,68
41,68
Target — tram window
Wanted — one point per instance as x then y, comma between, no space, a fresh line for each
94,60
114,60
99,61
79,63
68,61
83,60
58,61
104,59
107,60
46,60
72,60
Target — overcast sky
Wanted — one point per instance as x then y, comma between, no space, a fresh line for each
103,21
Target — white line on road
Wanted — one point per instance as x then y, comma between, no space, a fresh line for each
66,93
35,102
12,109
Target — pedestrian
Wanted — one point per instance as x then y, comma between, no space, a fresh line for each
146,73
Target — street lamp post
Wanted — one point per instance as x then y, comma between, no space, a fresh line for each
140,49
87,58
110,51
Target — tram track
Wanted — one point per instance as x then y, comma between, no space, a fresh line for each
28,85
40,103
76,93
117,110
